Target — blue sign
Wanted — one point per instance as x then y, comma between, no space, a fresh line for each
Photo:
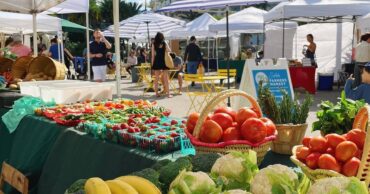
276,79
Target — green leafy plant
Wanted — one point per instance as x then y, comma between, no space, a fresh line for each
286,111
337,118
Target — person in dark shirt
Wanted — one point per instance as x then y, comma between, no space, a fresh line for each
143,56
363,90
98,50
192,57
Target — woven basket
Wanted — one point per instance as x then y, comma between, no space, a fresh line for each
363,173
237,145
48,67
5,64
288,136
21,66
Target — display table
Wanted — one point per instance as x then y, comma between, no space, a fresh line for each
53,156
303,77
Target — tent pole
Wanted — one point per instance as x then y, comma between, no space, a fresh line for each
264,37
228,52
88,47
147,28
35,51
208,52
117,45
283,38
61,47
216,39
353,37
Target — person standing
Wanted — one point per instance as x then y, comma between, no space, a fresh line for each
143,56
18,48
98,50
311,50
159,48
362,56
131,61
192,57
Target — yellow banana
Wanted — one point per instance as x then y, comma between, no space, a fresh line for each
96,185
141,185
120,187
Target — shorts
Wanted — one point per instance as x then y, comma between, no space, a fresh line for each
100,72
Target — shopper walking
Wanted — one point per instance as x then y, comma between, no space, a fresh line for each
192,57
159,48
98,50
18,48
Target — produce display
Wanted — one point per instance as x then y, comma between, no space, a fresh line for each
234,173
337,118
228,125
139,123
339,153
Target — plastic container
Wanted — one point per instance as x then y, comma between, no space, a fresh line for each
32,87
326,81
134,75
66,93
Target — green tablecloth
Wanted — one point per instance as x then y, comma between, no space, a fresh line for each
238,65
75,156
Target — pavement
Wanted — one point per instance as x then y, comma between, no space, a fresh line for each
179,104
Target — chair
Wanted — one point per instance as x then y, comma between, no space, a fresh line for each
223,72
14,178
197,99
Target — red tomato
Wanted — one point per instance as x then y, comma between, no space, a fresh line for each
312,160
192,121
359,154
350,168
230,134
345,151
209,116
334,139
259,114
331,151
270,126
328,162
244,114
226,110
211,132
236,125
223,119
318,144
306,141
253,130
357,136
302,153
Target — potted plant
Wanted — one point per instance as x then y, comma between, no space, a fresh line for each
289,116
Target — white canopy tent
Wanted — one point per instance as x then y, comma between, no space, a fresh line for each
29,7
320,11
363,23
198,27
17,22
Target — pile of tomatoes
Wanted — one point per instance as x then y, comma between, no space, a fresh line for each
340,153
225,124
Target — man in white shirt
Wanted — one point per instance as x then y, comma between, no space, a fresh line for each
362,57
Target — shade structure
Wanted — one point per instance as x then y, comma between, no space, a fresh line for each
140,25
17,22
318,10
197,27
208,4
364,23
72,26
29,7
70,6
249,20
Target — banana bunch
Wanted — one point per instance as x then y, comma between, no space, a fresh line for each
120,185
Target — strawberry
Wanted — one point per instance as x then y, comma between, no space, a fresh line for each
166,124
116,127
161,137
174,122
124,126
174,135
131,130
154,126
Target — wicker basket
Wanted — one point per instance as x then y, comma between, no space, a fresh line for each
48,67
21,66
288,136
5,64
363,173
224,147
